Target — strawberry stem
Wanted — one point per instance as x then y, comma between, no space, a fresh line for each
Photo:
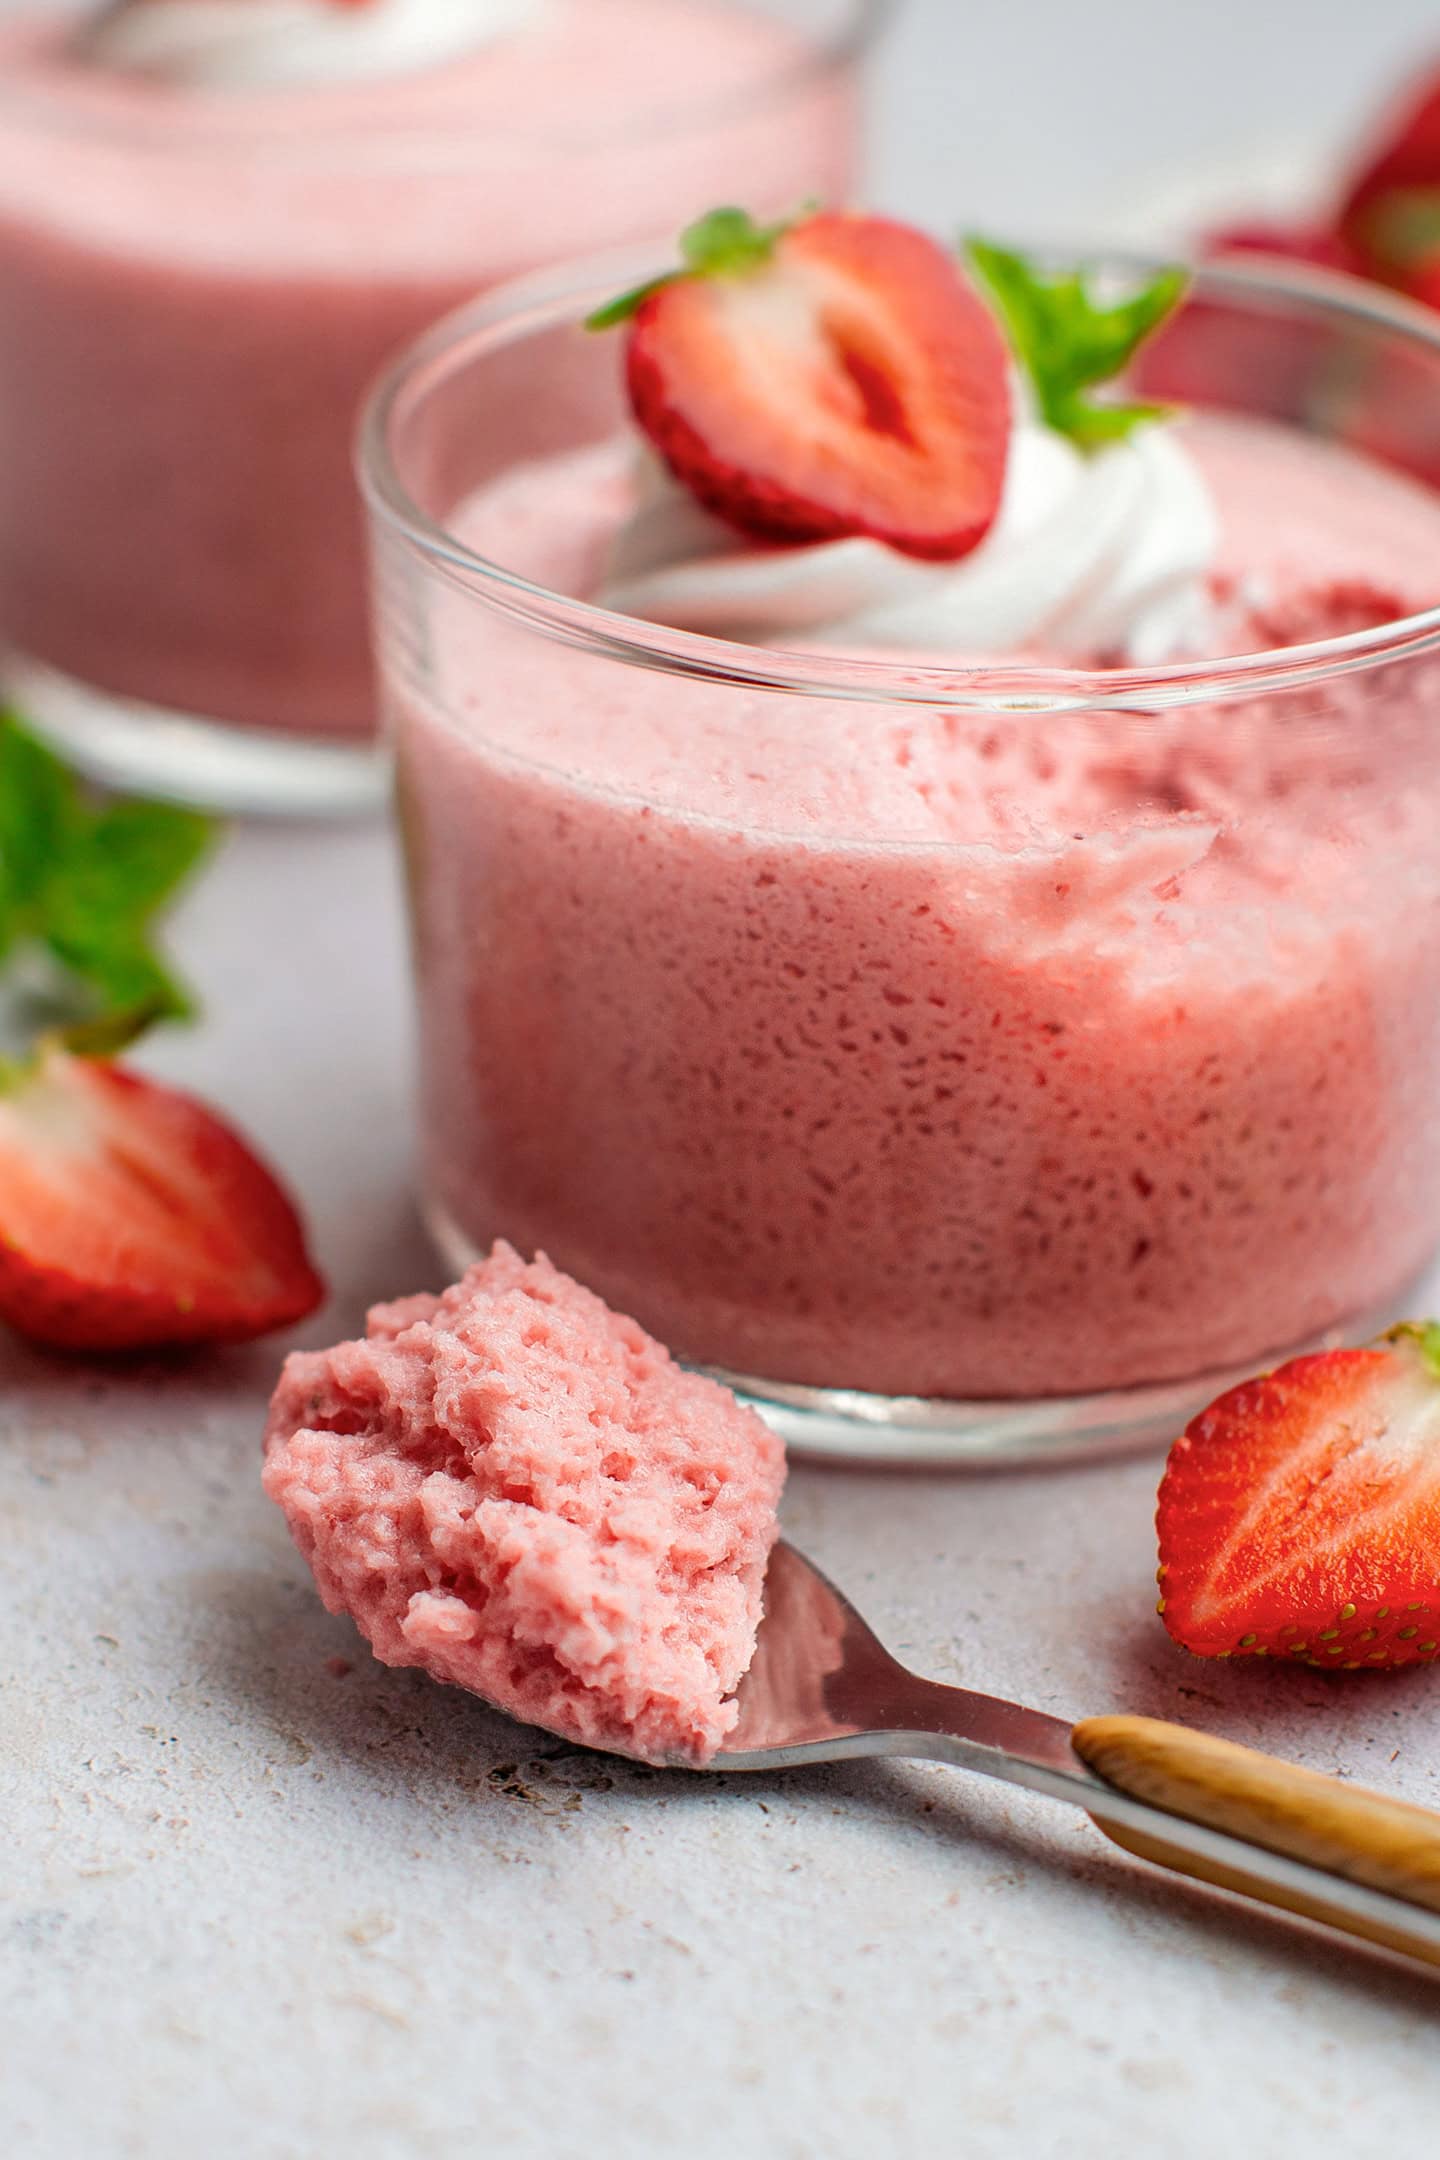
110,1033
724,243
1425,1334
102,1038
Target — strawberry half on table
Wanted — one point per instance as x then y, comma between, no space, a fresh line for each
1299,1516
132,1218
830,378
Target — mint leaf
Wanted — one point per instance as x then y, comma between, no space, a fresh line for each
724,243
85,879
135,857
1068,342
39,807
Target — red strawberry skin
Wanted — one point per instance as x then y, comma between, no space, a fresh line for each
1299,1516
132,1218
1423,282
1318,245
1407,160
855,384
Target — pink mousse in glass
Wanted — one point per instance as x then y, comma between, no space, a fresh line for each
198,277
975,1051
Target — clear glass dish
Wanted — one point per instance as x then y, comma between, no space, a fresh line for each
195,291
986,1136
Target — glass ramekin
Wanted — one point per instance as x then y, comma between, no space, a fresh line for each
194,294
984,1135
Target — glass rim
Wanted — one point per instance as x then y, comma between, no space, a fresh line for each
198,135
565,292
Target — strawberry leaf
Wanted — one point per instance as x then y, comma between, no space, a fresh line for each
728,241
724,243
628,303
119,966
85,880
1425,1335
134,857
1068,342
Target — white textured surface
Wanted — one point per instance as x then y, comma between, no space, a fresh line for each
254,1905
257,1907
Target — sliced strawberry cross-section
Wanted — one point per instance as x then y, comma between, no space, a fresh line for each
131,1217
1299,1516
834,378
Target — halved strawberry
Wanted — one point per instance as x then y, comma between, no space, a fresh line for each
131,1217
832,378
1299,1516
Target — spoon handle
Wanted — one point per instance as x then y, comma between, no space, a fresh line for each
1346,1832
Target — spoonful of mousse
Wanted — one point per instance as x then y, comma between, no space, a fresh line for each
519,1490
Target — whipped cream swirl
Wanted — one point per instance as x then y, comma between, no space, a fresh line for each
244,44
1099,556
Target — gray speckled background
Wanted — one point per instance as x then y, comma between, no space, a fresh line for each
262,1900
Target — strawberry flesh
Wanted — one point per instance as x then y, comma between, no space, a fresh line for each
1299,1516
131,1217
853,384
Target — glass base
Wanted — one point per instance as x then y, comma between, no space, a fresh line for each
915,1432
206,764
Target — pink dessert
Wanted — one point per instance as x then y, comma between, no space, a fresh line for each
931,1052
518,1490
195,287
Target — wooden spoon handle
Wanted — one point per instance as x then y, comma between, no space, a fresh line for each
1359,1836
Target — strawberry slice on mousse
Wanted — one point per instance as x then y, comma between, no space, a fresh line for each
1299,1516
834,378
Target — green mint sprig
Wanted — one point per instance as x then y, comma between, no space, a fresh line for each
724,243
84,880
1067,342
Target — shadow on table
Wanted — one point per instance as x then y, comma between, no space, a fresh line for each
292,1667
1346,1724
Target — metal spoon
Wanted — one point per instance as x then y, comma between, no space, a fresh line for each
822,1688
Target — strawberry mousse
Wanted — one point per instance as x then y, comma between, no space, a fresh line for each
201,266
925,1031
515,1488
